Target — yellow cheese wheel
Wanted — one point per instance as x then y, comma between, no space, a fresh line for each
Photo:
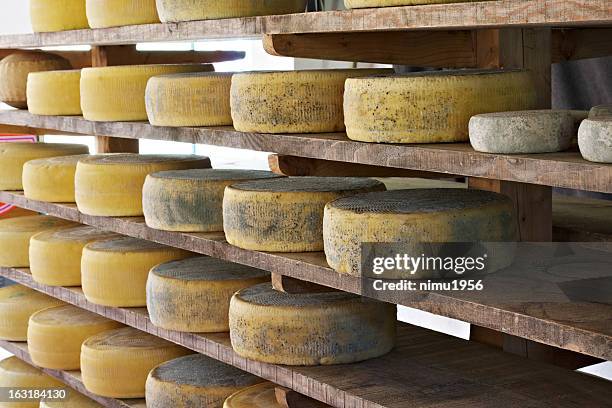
114,272
114,13
192,99
258,396
55,256
291,101
17,304
54,92
112,185
15,373
186,10
74,400
194,381
309,328
430,107
116,363
55,335
350,4
15,234
57,15
191,200
14,71
284,214
411,217
14,155
193,295
118,93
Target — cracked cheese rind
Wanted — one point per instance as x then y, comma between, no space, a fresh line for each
54,92
595,139
285,214
115,13
309,329
57,15
257,396
186,10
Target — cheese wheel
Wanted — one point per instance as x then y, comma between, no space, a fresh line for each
57,15
351,4
17,374
14,155
193,295
17,304
114,13
55,256
112,185
55,335
430,107
14,71
192,99
595,139
284,214
409,218
194,381
291,101
190,200
309,328
118,93
258,396
536,131
15,234
600,110
74,400
186,10
116,363
114,272
54,92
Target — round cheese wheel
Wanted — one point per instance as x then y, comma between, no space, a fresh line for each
54,92
114,13
257,396
185,10
74,400
17,374
595,139
57,15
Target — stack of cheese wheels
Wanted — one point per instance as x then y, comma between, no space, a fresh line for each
191,200
57,15
14,71
118,93
413,218
17,304
114,272
350,4
537,131
595,139
194,381
55,256
114,13
292,101
191,99
258,396
430,107
309,328
15,374
14,155
15,234
55,335
51,179
193,295
116,363
74,400
186,10
600,110
285,214
54,92
112,185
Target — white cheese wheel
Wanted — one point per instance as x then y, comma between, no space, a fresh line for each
595,139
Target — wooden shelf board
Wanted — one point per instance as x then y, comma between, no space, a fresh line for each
70,378
515,13
584,328
566,169
424,365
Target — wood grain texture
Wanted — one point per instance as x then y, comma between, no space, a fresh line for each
574,44
70,378
583,328
426,369
566,169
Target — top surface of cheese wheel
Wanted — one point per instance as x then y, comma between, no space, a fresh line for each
41,150
205,268
54,92
58,161
263,295
214,174
32,223
124,159
66,315
125,338
57,15
307,184
185,10
113,13
125,244
19,294
258,396
15,365
80,233
74,400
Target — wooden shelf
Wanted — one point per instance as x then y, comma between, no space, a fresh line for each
509,13
424,365
70,378
584,328
567,169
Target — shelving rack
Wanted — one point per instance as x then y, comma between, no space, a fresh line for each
426,368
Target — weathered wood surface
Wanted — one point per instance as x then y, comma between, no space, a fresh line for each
581,327
566,169
425,369
70,378
575,44
520,13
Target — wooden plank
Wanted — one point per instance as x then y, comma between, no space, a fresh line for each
581,219
287,398
581,327
423,365
566,169
575,44
70,378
